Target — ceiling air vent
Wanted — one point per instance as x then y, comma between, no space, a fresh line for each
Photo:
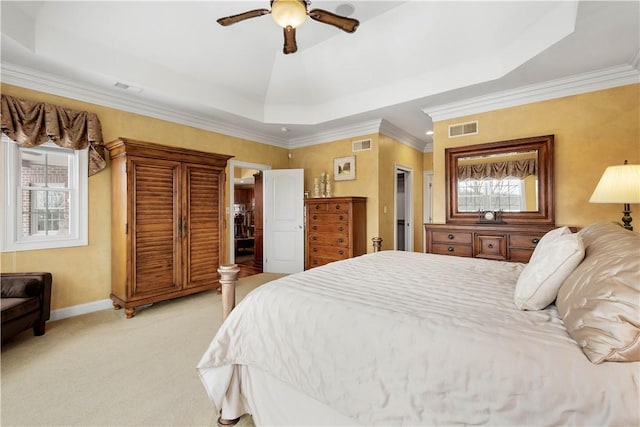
362,145
127,87
462,129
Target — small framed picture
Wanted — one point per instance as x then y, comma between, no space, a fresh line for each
344,168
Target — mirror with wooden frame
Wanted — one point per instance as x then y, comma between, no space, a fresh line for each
511,178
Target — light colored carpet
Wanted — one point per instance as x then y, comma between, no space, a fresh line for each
101,369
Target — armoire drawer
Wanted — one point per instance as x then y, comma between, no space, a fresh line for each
334,252
340,239
524,240
490,246
317,217
330,207
452,237
313,261
328,227
452,249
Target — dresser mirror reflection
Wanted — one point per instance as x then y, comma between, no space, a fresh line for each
514,177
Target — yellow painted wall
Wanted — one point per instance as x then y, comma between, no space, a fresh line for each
375,179
392,154
83,274
592,131
316,159
427,161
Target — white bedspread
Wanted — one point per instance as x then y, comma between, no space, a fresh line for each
402,338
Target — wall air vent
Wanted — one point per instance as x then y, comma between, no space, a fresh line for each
362,145
462,129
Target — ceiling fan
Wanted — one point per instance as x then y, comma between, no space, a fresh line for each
289,14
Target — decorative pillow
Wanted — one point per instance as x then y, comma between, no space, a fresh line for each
600,301
557,254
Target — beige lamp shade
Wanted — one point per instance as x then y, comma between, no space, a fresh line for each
619,184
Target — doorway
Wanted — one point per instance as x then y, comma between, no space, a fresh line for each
403,212
241,214
427,210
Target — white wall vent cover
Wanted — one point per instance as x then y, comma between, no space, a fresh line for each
362,145
462,129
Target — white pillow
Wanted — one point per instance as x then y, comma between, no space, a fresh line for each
557,254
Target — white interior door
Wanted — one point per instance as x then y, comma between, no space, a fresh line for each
283,216
403,213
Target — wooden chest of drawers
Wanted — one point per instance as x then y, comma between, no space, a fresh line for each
499,242
336,228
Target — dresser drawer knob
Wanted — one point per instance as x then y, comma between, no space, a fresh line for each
535,241
340,228
314,238
315,217
450,249
341,217
314,228
341,240
315,249
490,245
317,206
450,236
337,207
341,252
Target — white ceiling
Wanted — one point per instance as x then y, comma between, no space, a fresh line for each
407,59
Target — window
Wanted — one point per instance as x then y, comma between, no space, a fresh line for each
44,197
491,194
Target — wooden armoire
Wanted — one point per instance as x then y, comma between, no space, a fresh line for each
167,210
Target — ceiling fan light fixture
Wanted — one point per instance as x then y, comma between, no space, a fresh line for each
288,13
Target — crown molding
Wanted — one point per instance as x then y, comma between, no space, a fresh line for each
335,134
574,85
635,61
392,131
55,85
374,126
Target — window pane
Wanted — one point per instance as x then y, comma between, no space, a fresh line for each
45,212
490,194
44,168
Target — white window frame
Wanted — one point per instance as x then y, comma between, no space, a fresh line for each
12,240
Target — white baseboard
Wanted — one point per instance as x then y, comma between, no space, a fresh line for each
77,310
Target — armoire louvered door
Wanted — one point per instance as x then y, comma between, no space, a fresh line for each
156,226
201,225
167,223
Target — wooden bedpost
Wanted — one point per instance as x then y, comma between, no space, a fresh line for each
228,279
377,244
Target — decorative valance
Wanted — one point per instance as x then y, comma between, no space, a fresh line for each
498,170
31,123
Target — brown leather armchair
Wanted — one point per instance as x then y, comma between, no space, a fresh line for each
26,302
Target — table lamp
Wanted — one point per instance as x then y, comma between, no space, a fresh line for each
619,184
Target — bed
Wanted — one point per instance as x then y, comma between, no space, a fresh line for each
403,338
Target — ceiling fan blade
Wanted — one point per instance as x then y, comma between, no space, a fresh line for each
290,45
242,16
345,24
